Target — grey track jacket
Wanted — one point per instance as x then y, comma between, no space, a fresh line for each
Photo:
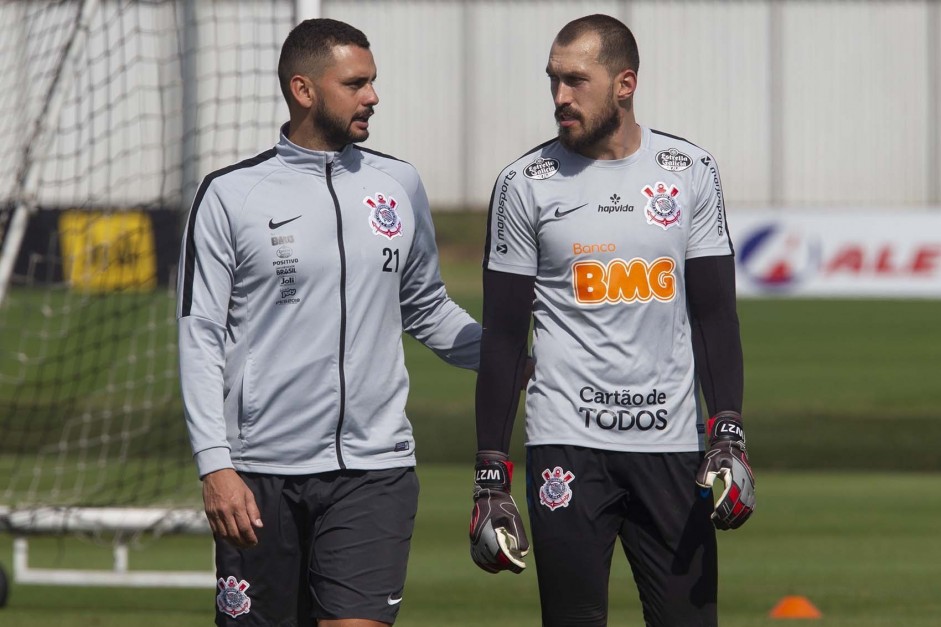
298,273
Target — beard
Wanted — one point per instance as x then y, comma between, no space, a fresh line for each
601,127
337,131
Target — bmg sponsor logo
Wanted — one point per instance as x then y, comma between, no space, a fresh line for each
621,281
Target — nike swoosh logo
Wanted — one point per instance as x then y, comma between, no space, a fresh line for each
273,225
392,601
560,214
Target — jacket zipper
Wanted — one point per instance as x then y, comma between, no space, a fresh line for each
342,351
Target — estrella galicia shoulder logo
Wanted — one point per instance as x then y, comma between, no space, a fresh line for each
541,169
673,160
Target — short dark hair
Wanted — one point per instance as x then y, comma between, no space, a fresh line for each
618,49
309,46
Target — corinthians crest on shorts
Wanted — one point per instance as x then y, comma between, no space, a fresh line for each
555,492
232,599
662,208
383,218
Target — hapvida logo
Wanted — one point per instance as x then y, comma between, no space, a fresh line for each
616,206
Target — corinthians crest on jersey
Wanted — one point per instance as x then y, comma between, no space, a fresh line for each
383,218
662,207
556,492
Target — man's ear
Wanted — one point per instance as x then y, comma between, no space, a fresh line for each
625,84
302,91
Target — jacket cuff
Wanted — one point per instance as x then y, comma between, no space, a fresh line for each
213,459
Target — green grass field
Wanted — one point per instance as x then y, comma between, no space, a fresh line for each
861,546
844,428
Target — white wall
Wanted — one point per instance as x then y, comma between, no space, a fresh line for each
803,103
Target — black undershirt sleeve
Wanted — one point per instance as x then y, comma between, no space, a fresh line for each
717,344
508,308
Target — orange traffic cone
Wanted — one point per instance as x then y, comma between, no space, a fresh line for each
795,607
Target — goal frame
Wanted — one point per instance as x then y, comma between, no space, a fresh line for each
124,523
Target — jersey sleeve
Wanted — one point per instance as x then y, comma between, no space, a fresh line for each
206,274
511,227
708,233
428,313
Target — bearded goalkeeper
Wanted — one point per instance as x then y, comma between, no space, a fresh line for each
612,238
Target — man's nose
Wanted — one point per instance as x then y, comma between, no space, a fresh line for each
372,97
562,96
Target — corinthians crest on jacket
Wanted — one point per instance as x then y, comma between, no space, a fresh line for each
383,218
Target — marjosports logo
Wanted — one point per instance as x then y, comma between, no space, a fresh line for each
778,258
620,281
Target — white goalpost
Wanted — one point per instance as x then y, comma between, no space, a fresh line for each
110,113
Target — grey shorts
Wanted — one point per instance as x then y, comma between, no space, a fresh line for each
334,545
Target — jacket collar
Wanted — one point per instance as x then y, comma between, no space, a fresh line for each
313,161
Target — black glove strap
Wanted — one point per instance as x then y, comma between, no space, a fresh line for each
493,471
726,426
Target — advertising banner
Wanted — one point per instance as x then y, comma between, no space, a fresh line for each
838,254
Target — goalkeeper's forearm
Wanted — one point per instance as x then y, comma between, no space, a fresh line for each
717,344
508,302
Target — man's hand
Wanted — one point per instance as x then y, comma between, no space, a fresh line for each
498,540
230,508
727,459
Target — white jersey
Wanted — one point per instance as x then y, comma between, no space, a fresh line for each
607,243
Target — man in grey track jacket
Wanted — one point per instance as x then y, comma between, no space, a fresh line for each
299,271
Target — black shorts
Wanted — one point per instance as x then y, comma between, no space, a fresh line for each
581,500
334,545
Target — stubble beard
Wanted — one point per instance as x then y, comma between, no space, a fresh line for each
605,125
336,131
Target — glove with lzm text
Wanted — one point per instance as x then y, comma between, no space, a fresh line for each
497,538
726,458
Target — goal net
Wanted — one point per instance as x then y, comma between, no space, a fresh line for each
110,112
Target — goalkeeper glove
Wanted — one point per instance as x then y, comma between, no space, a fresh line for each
497,538
727,459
